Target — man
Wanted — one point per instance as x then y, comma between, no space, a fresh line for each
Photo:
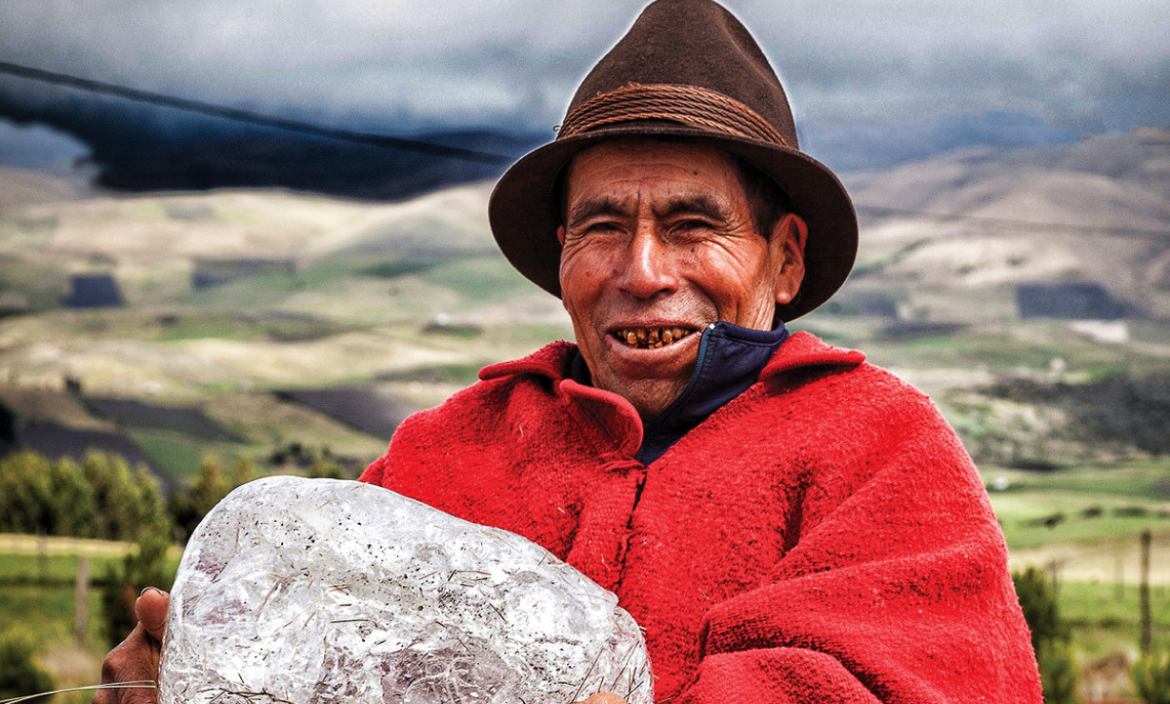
786,522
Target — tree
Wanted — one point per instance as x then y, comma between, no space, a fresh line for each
324,467
145,567
43,497
244,472
100,499
189,507
26,494
116,496
150,509
73,501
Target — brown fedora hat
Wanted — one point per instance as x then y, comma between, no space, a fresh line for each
687,68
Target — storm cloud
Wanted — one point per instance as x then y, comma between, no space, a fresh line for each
420,65
873,83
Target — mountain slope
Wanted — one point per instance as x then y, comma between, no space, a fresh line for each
1098,212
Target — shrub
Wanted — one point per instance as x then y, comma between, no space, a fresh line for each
1151,678
1059,672
1050,636
19,674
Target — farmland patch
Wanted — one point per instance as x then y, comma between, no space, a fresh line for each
189,421
363,408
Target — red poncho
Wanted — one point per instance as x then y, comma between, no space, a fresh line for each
823,537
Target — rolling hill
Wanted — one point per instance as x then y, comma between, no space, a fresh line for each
232,295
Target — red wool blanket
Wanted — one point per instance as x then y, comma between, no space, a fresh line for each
823,537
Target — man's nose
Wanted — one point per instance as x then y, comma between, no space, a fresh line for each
649,266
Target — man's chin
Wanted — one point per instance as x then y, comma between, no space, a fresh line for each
650,397
650,379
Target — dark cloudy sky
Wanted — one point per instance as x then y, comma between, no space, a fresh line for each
406,65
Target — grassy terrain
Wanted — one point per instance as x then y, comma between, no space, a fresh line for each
57,567
1080,504
179,455
481,279
1105,619
47,615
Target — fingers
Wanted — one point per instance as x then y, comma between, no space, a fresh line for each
151,610
604,698
135,659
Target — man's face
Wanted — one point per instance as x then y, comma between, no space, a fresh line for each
658,243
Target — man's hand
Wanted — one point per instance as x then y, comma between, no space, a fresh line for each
604,698
137,657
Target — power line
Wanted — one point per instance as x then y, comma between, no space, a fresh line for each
1006,222
245,116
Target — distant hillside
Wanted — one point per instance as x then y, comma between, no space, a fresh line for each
258,224
853,145
19,187
1097,211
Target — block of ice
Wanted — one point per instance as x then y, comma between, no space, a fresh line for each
314,591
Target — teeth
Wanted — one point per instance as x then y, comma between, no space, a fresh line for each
652,338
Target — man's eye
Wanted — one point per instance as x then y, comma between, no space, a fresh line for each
692,225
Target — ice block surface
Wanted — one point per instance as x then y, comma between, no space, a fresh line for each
317,591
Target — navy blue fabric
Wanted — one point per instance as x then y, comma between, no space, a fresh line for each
730,360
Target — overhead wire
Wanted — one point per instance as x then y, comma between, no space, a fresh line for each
1011,223
249,117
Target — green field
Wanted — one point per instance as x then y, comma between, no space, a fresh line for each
1105,619
46,612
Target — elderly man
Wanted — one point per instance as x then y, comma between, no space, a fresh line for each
785,521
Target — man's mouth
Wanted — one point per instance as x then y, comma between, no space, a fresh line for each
651,338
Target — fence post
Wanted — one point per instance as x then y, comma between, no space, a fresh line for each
82,598
42,556
1147,623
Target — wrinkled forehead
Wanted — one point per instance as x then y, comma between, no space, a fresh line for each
702,165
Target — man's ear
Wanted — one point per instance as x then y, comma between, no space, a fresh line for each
787,249
560,235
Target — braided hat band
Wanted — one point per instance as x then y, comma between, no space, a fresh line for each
690,105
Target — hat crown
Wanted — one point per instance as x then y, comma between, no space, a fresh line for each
693,43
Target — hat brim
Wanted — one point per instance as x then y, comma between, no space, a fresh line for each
524,214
